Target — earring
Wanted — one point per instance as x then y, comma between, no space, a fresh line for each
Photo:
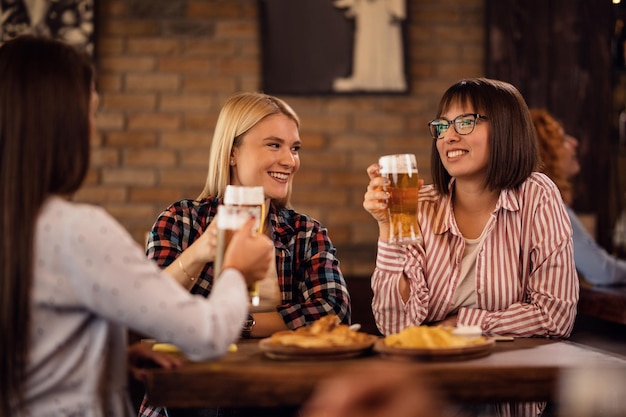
232,162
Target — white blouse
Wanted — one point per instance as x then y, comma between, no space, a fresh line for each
91,282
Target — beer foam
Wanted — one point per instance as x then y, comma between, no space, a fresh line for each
397,163
240,195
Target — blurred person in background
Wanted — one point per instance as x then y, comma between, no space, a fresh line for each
560,163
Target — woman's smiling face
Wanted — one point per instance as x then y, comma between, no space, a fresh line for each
465,156
268,156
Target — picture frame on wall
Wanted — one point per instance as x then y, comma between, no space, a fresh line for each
333,47
71,21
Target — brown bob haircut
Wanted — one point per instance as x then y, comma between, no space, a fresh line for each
512,142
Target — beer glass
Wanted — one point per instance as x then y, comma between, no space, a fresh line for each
401,171
240,203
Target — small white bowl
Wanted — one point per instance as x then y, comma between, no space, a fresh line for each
468,331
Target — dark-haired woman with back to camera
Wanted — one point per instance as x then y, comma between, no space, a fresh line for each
71,278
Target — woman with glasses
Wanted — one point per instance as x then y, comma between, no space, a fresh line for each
496,248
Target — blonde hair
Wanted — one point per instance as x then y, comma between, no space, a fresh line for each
240,113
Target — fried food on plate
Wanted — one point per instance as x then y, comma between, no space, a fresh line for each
325,332
430,337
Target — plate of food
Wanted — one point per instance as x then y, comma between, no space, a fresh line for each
433,343
325,339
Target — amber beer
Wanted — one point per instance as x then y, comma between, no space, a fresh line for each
240,203
401,171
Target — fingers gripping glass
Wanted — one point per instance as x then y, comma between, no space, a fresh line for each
463,125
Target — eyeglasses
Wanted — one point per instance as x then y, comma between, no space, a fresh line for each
463,125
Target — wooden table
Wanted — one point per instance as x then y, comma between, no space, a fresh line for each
519,370
606,303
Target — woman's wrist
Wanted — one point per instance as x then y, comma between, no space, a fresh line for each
184,271
189,267
383,232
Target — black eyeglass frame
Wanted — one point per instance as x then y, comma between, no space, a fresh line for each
454,122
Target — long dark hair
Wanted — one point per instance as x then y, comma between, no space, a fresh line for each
513,146
45,91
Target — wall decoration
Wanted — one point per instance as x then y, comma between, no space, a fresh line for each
69,20
333,47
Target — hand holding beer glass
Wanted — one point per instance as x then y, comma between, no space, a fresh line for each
240,203
403,188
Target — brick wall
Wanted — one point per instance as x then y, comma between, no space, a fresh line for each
165,68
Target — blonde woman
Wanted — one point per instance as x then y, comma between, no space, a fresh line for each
256,143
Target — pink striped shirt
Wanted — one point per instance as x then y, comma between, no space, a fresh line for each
526,281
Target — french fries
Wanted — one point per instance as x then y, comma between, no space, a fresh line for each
429,337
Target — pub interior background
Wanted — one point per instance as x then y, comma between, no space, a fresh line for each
166,67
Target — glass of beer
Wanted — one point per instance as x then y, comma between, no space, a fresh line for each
401,171
240,203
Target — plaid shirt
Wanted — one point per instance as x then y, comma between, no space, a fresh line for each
309,277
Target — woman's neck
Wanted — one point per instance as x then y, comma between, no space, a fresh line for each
472,208
474,199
